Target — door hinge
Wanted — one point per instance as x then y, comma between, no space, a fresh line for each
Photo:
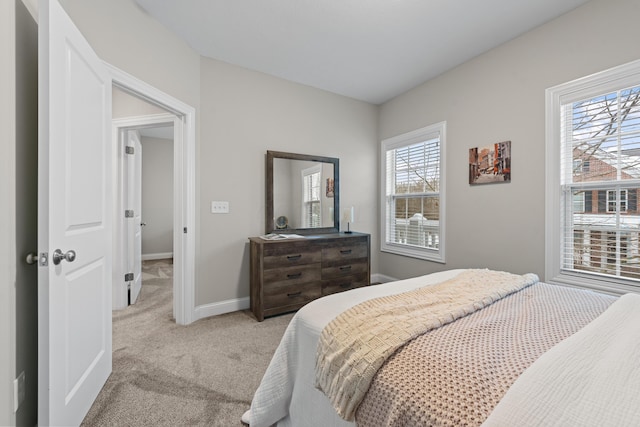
184,230
128,277
129,150
129,213
43,259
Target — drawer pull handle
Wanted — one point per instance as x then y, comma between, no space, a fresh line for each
345,251
345,285
294,257
294,276
294,294
345,268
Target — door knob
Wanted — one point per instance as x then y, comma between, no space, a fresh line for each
142,224
58,256
32,258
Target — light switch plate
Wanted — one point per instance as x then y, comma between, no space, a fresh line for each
219,207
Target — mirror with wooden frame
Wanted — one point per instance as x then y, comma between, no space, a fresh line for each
302,194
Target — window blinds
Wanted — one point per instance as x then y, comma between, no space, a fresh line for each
412,194
311,217
600,178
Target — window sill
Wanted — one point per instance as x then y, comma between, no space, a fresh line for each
434,255
604,284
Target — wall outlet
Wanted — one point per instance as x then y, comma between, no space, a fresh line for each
219,207
18,391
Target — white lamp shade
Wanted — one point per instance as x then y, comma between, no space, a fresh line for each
348,214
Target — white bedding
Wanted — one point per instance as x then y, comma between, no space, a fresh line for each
596,371
293,365
590,379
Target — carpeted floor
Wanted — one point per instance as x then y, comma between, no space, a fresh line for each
203,374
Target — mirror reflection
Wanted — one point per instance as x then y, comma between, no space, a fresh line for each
302,193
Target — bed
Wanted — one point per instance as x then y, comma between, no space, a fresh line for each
583,369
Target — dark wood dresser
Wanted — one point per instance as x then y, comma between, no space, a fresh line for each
287,274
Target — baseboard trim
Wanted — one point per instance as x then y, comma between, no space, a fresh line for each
237,304
381,278
161,255
222,307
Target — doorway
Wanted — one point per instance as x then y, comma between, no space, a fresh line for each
182,118
146,163
77,211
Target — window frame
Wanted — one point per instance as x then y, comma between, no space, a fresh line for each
307,205
403,140
610,80
612,206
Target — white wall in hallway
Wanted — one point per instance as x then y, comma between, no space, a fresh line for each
157,195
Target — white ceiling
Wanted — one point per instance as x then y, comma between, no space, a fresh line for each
372,50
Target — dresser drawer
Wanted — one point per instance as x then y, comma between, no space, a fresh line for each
277,256
337,254
345,283
345,269
287,274
290,276
285,294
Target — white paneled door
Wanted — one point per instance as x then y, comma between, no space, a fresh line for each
134,203
74,221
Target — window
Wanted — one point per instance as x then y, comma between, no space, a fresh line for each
578,201
612,204
593,153
581,166
413,193
311,208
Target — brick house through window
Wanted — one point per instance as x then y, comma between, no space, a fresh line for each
606,221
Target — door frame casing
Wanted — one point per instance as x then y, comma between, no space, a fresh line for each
184,190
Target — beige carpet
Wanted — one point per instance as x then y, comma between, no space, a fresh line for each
203,374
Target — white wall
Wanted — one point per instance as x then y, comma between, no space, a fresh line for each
283,197
244,114
495,97
126,37
500,96
157,195
126,105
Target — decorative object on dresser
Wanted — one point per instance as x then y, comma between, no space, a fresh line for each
348,215
287,274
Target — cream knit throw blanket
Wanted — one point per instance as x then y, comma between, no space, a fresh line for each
355,344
